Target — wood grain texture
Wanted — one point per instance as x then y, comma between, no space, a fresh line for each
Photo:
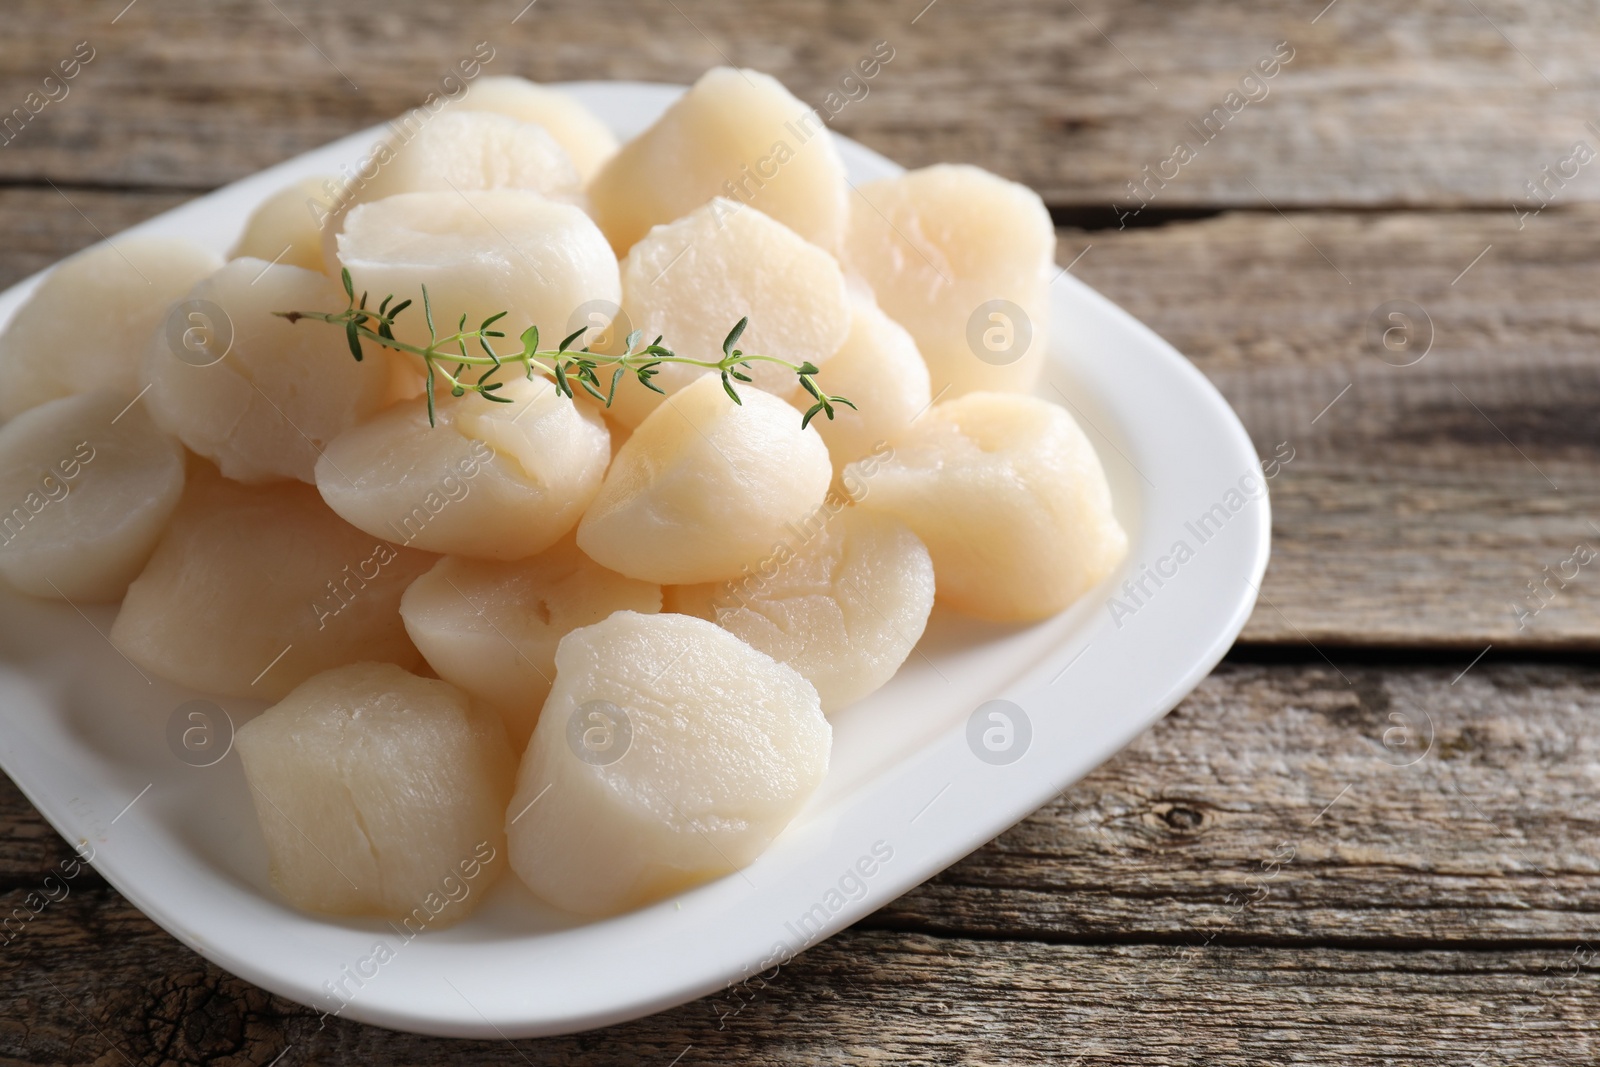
1366,804
1390,104
1430,484
864,996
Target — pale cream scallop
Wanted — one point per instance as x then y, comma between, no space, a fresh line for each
86,326
738,134
937,246
880,371
844,602
407,381
454,151
691,281
1011,500
87,484
480,253
587,140
253,589
287,226
492,628
705,486
380,793
254,393
496,481
669,753
466,150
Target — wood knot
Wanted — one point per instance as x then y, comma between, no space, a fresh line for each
1180,817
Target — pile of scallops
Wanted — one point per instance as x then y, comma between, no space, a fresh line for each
599,645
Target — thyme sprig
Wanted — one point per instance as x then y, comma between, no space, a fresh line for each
449,358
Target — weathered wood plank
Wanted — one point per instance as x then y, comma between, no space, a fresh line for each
1278,804
1421,502
864,996
1367,803
1421,104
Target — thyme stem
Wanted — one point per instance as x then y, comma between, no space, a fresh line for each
562,365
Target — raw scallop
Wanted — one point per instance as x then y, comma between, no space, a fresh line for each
492,628
587,140
454,152
1011,500
843,604
500,481
737,134
380,793
257,395
691,281
669,753
963,259
481,253
705,486
880,371
88,483
87,324
287,227
252,590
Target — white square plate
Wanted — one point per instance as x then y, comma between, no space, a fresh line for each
83,733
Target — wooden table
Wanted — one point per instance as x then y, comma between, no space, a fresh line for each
1273,874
